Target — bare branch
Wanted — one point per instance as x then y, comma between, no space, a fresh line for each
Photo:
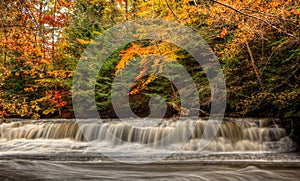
176,17
252,16
169,7
253,64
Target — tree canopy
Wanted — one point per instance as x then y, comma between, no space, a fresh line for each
257,44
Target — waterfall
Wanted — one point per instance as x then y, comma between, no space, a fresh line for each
233,135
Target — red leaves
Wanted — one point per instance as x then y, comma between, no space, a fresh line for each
57,95
57,99
59,19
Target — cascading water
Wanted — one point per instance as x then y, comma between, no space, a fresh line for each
246,135
66,149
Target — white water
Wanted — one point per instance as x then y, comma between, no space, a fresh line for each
47,149
233,136
41,170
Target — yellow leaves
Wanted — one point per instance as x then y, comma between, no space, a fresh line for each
296,11
41,75
254,17
136,50
129,54
30,89
43,81
144,84
64,44
34,106
147,64
48,111
93,2
45,98
84,42
60,73
39,53
29,51
25,108
43,60
54,73
150,79
97,32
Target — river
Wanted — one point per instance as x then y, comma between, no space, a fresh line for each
241,149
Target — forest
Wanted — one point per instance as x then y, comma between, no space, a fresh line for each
257,44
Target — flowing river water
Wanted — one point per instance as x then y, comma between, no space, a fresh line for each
241,149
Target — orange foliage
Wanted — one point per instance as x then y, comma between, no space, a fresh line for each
154,66
29,51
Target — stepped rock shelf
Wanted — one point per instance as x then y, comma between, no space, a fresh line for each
250,140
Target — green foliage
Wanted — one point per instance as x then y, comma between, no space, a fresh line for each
259,54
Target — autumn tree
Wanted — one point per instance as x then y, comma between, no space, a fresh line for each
259,53
30,67
257,43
